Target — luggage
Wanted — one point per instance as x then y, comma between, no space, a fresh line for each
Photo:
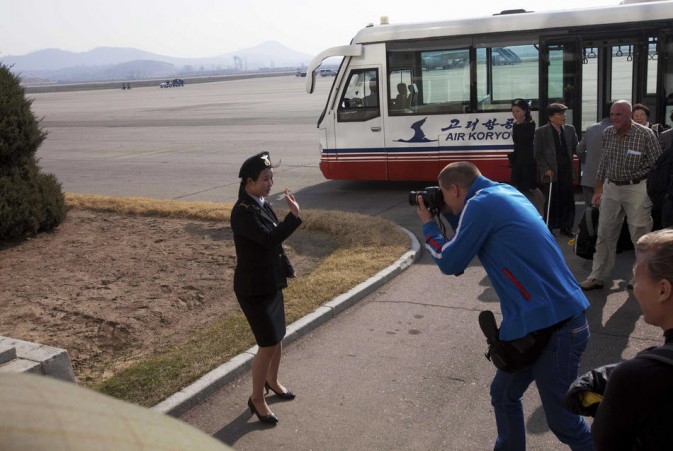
585,240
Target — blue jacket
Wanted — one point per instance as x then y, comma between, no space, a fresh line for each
520,256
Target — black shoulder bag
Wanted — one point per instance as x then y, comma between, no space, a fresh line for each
511,356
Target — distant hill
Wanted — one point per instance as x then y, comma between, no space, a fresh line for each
117,63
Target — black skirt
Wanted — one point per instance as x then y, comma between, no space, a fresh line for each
524,176
266,316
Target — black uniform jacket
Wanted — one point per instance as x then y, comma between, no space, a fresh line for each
262,266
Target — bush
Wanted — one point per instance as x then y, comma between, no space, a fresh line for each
30,201
53,201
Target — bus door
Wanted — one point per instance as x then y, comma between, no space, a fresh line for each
608,74
358,128
624,69
560,78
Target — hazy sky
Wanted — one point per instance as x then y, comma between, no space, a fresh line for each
199,28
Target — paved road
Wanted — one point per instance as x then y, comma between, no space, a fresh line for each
181,143
404,368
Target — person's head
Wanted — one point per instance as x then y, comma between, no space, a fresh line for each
455,181
556,112
256,175
402,88
521,111
653,276
640,114
620,115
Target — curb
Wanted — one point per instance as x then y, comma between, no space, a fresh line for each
197,392
18,356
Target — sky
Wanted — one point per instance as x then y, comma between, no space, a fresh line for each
203,28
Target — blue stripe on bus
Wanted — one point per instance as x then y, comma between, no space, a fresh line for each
500,147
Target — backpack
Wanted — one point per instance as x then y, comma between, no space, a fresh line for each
660,178
595,381
585,240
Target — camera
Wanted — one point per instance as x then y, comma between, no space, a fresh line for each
432,197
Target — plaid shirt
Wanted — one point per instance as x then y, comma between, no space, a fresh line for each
630,157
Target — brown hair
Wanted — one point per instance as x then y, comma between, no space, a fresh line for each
659,246
640,106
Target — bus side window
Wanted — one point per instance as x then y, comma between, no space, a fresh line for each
399,83
506,73
360,99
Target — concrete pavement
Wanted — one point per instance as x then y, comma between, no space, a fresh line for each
404,369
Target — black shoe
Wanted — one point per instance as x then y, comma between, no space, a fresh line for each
567,232
268,419
288,395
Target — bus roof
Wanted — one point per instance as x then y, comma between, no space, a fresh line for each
549,21
524,21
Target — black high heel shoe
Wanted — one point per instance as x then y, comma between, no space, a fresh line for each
288,395
268,419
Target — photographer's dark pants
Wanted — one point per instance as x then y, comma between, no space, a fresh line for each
553,372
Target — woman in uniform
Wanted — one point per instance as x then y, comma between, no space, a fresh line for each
261,274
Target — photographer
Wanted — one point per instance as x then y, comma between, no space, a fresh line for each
536,289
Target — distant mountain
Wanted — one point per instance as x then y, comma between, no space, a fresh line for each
117,63
268,54
54,59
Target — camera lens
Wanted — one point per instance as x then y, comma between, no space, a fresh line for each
432,197
413,197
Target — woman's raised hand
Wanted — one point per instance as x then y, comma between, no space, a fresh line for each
291,202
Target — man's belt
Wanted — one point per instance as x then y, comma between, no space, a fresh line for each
627,182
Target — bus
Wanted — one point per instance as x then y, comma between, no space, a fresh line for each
460,77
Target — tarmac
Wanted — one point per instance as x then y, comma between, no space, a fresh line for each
397,363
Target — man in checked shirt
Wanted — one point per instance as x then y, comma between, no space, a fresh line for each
629,152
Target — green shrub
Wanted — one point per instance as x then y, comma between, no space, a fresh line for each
53,201
30,201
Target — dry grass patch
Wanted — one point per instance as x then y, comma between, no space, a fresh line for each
343,249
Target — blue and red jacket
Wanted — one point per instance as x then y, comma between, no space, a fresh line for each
521,257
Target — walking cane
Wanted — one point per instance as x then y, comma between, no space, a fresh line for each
549,203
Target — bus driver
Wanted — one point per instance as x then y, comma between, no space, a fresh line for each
373,98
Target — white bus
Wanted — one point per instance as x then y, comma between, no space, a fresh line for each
460,77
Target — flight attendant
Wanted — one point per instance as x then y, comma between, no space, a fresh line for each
261,273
